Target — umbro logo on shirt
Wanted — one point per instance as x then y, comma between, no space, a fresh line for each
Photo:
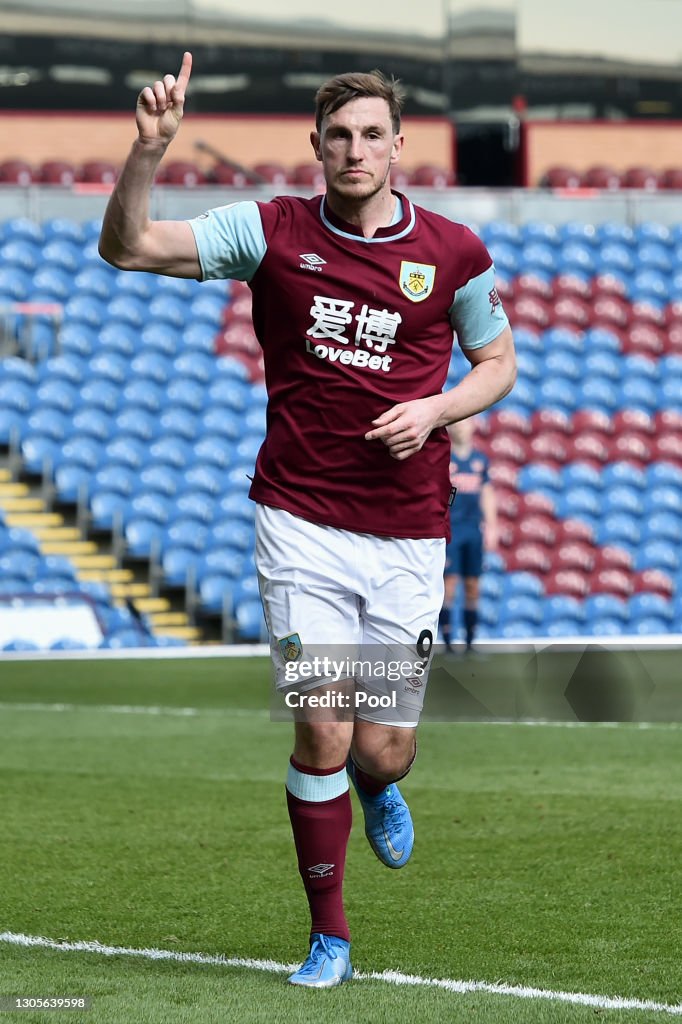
311,261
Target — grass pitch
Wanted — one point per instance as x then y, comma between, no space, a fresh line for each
546,857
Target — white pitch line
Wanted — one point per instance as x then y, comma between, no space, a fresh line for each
391,977
136,709
180,712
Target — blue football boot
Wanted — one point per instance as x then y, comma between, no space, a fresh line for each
388,823
327,963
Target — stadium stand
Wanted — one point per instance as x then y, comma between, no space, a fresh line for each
136,404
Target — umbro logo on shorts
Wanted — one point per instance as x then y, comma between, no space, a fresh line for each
311,261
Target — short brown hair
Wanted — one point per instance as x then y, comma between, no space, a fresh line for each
338,91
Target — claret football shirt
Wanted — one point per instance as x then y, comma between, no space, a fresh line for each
351,326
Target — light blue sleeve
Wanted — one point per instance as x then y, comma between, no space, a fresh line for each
230,241
476,312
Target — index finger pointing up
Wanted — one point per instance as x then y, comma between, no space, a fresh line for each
185,71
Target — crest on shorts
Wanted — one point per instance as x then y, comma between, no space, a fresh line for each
290,647
416,280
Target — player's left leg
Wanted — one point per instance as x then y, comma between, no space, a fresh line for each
382,755
401,603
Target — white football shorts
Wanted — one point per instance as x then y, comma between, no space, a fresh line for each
368,604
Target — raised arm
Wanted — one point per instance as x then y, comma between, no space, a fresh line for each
130,240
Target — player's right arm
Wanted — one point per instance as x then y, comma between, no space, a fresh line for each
130,240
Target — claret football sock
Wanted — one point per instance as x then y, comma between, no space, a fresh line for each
321,816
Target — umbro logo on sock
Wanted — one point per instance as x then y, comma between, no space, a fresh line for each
321,870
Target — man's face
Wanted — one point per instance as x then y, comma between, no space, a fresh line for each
357,147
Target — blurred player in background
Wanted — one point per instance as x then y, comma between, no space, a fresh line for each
355,297
473,523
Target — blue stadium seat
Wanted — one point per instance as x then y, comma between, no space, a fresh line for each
15,284
94,280
63,228
142,536
600,363
110,365
661,498
229,393
200,337
52,283
166,309
576,256
601,339
248,448
250,621
527,341
208,307
78,339
121,339
162,338
558,393
637,393
107,508
539,477
669,394
197,366
170,450
62,253
100,393
623,499
537,258
116,477
180,423
153,366
560,607
518,629
255,421
643,605
577,231
522,606
579,503
650,231
21,228
16,395
186,394
188,533
128,309
49,422
657,554
617,474
619,529
517,584
69,367
85,309
598,393
135,285
565,365
615,231
663,526
183,288
653,256
203,477
234,505
650,626
565,339
20,254
161,478
238,534
670,367
177,563
144,394
616,257
605,625
501,230
38,452
663,474
54,567
215,451
599,606
19,564
194,504
94,423
57,394
129,451
566,627
581,474
137,423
